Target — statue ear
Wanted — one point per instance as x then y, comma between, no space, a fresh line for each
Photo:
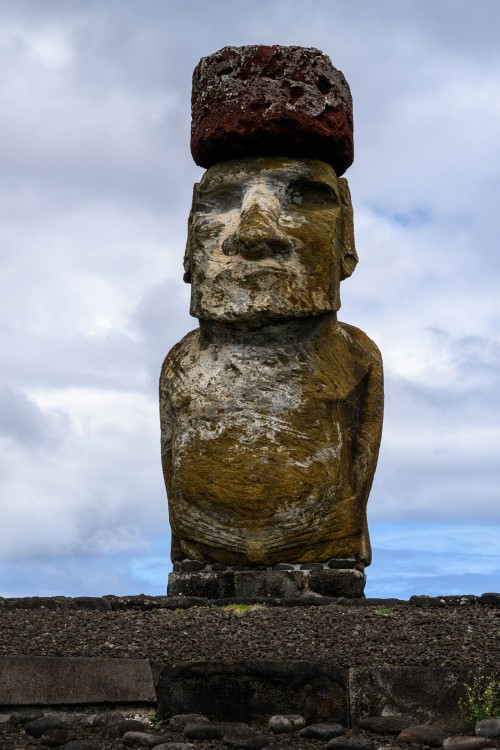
348,254
187,253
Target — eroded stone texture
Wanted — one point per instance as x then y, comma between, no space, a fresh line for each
269,239
271,411
252,690
271,100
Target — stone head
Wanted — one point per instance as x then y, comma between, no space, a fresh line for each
268,239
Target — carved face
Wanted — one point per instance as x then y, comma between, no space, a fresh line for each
269,238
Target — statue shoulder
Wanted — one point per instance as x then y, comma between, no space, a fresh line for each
180,355
359,342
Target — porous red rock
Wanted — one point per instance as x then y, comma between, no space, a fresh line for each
261,100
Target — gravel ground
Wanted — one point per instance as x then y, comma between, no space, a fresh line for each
346,636
377,635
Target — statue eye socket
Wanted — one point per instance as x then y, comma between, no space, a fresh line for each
310,196
219,200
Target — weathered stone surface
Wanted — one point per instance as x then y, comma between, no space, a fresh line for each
351,743
23,717
422,734
254,690
322,732
389,724
92,603
44,680
213,730
271,412
57,737
341,564
427,602
179,721
37,727
271,427
286,723
245,740
466,742
191,565
240,584
488,728
271,100
124,726
143,739
109,718
492,598
248,584
39,602
335,582
269,239
430,694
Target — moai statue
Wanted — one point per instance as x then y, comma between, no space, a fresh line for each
271,410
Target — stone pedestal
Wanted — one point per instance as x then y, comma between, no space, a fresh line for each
335,578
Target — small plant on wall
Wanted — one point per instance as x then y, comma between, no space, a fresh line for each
482,699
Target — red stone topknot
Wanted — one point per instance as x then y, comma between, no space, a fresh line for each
270,100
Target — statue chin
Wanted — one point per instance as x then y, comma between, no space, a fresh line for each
260,295
259,314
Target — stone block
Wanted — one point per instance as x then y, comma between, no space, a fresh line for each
264,100
280,584
430,694
337,582
211,584
342,564
255,689
51,680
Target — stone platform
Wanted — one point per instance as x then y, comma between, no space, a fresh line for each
284,580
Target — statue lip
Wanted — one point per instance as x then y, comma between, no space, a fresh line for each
243,271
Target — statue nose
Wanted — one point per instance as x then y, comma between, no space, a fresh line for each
258,235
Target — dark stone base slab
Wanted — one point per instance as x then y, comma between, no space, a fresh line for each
254,690
58,680
430,694
244,584
146,603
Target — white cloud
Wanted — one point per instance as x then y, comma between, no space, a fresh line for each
49,45
98,492
95,190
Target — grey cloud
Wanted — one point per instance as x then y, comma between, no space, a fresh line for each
162,317
23,421
95,189
440,450
474,384
71,131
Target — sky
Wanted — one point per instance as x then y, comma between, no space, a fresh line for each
95,189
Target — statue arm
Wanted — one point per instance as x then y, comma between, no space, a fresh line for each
369,432
166,427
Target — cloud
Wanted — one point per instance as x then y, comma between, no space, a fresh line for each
22,421
440,453
95,191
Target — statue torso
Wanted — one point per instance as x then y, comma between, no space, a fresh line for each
262,437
